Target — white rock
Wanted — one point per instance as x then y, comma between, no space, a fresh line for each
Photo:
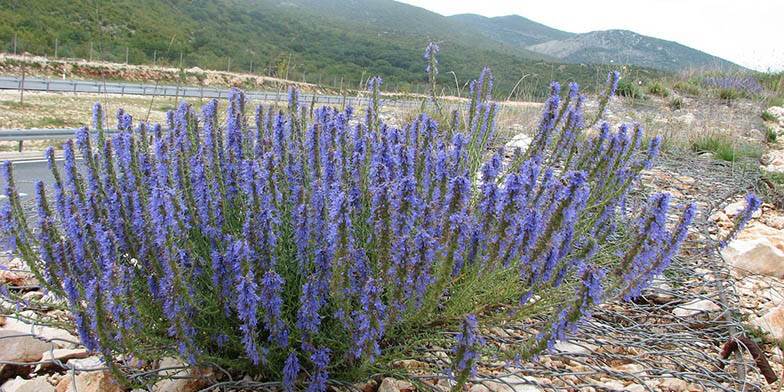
572,348
16,347
60,337
513,383
38,384
773,160
733,209
86,364
696,307
759,249
62,355
521,141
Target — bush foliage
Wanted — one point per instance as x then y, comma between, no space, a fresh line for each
305,244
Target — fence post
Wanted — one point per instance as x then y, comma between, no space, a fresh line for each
228,65
14,44
126,55
55,48
91,51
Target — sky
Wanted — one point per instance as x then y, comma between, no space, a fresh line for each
747,32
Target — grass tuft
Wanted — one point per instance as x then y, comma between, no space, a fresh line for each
676,103
657,89
767,116
770,133
629,90
724,148
687,88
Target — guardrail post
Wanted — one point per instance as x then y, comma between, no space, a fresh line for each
20,145
21,89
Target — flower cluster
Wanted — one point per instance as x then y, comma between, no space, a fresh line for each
742,83
294,245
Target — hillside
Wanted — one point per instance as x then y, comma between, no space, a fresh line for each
628,47
511,29
596,47
304,40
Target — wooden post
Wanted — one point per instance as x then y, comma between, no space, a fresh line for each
228,65
126,55
14,44
55,48
251,65
91,51
154,56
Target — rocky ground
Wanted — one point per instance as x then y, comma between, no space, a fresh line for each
678,337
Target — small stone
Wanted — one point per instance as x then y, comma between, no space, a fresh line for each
635,388
696,307
19,347
389,384
673,384
408,364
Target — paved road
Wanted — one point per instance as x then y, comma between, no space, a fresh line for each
97,87
26,173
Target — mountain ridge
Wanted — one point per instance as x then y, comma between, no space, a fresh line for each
616,46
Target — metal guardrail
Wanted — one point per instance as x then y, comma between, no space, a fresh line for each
38,134
95,87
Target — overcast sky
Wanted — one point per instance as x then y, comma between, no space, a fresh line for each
747,32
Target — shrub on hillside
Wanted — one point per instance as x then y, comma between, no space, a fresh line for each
313,245
628,89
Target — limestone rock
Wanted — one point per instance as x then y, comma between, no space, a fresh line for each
181,384
673,384
521,141
759,249
86,364
696,307
772,322
773,160
20,348
733,209
512,383
98,381
392,385
62,355
573,348
60,338
38,384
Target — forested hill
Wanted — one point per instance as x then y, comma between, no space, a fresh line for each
316,40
